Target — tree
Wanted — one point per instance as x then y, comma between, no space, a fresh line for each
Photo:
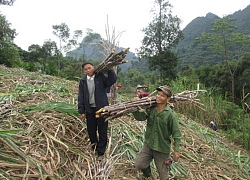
242,84
62,31
49,53
6,33
8,50
74,42
161,35
49,48
7,2
223,39
92,39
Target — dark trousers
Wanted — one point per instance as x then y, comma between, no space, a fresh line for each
99,125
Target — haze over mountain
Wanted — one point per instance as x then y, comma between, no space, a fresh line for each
189,52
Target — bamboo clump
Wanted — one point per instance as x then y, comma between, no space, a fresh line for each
112,60
120,109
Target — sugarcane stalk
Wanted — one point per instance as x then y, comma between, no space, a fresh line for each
112,60
131,104
117,110
120,108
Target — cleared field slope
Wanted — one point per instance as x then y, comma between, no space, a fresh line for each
42,137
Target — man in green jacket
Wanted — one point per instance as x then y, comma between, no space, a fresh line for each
162,126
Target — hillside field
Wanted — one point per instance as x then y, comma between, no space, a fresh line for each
42,137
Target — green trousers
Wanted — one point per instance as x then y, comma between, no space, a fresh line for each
144,158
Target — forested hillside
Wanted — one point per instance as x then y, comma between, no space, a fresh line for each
42,137
195,54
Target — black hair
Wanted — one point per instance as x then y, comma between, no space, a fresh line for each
86,64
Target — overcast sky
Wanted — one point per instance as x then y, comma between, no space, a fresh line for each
33,19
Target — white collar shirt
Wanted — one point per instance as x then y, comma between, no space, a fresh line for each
90,77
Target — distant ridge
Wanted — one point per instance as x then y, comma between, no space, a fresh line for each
194,54
189,53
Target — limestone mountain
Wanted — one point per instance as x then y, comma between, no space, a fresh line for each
189,52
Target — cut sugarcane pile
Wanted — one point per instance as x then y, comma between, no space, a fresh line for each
117,110
112,60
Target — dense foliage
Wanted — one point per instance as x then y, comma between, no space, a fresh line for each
8,50
231,45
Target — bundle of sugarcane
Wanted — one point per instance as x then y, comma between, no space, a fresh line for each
112,60
117,110
189,97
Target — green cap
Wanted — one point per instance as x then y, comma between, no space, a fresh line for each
166,90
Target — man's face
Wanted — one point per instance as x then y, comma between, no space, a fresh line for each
161,98
89,69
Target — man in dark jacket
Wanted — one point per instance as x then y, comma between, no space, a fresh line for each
92,96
